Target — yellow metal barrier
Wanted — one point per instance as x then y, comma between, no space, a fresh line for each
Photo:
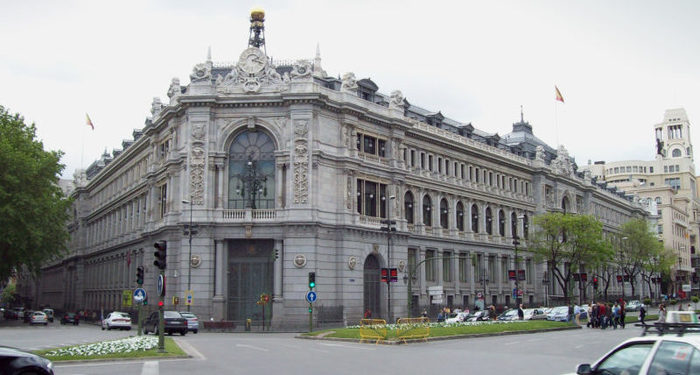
413,328
373,329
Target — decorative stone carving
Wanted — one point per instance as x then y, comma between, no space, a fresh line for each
198,131
156,106
539,153
348,195
352,262
299,261
201,72
301,162
562,164
396,100
174,90
349,82
301,69
79,177
197,162
253,73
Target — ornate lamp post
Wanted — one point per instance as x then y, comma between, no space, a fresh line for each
189,258
251,181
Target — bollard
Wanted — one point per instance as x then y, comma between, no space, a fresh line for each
248,322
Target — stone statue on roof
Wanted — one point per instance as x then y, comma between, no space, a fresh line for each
349,82
396,100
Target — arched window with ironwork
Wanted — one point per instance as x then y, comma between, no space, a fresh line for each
514,225
251,179
443,213
565,204
408,207
489,221
501,223
526,227
475,218
427,203
459,216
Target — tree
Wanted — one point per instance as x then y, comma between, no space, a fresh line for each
638,245
33,209
8,294
568,243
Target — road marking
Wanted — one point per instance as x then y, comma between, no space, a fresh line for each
578,347
189,349
252,347
346,346
534,340
512,343
150,368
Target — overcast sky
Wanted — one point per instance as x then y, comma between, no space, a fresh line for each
618,64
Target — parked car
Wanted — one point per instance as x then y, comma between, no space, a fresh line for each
117,319
12,314
559,314
457,317
15,361
508,315
71,318
669,353
534,314
49,314
173,322
478,316
38,317
633,305
27,316
192,321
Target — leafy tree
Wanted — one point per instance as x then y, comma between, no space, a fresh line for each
568,243
8,293
638,244
33,209
658,263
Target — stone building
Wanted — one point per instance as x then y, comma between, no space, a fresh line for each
284,171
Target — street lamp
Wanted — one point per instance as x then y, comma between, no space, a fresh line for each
189,258
516,242
389,228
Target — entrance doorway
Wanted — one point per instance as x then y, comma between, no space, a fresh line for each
250,274
371,284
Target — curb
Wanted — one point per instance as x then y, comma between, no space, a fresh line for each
439,338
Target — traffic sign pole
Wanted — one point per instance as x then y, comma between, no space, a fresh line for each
161,323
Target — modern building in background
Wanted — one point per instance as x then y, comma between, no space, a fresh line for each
285,170
670,181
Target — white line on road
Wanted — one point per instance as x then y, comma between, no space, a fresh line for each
512,343
346,346
578,347
189,349
150,368
252,347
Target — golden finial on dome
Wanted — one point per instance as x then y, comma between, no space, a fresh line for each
257,14
257,28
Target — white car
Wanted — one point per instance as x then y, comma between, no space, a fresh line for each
38,317
669,353
192,321
458,317
117,319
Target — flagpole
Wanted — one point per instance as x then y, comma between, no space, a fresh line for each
556,123
82,148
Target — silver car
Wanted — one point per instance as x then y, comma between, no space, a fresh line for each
192,321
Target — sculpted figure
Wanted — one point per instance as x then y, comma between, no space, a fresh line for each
349,82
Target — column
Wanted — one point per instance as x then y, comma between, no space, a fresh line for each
219,185
219,279
277,293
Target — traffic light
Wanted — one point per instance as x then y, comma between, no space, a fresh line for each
595,282
390,225
393,275
312,280
619,278
160,254
277,254
385,275
160,303
139,275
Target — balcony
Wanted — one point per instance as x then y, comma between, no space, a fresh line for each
249,215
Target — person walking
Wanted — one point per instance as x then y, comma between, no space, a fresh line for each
662,313
642,314
615,315
521,313
623,314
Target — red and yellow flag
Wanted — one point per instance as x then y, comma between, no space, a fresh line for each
89,122
558,94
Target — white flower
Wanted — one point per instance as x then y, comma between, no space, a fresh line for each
127,345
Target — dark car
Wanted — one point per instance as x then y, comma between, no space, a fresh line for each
14,361
71,318
174,322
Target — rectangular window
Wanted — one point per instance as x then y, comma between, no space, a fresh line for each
651,169
504,270
461,171
430,163
163,200
446,266
492,269
370,145
490,178
678,168
413,158
382,148
369,198
430,265
463,267
439,165
476,175
422,160
665,168
617,170
675,183
478,268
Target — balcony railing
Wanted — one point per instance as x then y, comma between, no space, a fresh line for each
248,214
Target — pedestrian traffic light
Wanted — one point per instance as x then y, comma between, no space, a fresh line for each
160,254
312,280
385,275
619,278
139,275
160,303
595,282
393,275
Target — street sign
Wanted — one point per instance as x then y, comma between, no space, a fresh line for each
686,288
310,296
189,296
161,285
126,298
435,290
437,301
139,295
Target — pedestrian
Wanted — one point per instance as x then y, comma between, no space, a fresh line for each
425,313
368,314
623,314
615,315
440,316
570,314
577,314
662,313
642,314
521,313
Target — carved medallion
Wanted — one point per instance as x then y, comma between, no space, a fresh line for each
196,261
299,261
352,262
252,61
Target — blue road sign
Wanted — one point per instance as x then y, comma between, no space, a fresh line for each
139,295
311,297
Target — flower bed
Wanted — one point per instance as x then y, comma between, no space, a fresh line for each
127,345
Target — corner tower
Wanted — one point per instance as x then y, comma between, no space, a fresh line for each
673,135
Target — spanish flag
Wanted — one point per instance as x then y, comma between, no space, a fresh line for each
558,94
89,122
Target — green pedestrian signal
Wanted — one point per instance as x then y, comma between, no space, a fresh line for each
312,280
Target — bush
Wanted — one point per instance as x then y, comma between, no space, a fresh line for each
673,302
695,299
647,301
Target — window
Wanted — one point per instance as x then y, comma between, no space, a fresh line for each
382,148
459,217
413,158
163,149
430,163
252,154
430,265
526,227
489,219
439,165
446,266
651,169
408,207
674,183
163,200
427,220
422,160
463,267
370,200
443,213
492,268
476,175
501,223
513,225
665,168
626,358
617,170
475,218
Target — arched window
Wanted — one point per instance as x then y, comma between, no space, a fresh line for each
526,227
408,207
501,223
565,204
658,200
514,225
475,218
489,221
427,220
459,217
251,179
443,213
676,153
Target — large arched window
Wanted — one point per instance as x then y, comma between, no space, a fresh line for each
565,204
501,223
408,207
514,225
427,219
676,153
251,172
475,218
443,213
489,220
526,227
459,217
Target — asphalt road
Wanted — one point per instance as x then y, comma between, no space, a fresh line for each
239,353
